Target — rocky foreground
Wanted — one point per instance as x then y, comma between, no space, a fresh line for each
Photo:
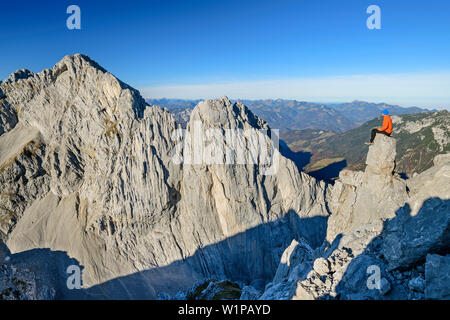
88,179
379,224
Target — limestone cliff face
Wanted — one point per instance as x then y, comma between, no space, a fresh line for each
378,223
361,197
86,168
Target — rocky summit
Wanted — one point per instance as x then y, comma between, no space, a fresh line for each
381,229
95,179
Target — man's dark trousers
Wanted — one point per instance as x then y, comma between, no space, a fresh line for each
375,131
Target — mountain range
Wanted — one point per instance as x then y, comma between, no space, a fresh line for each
297,115
362,111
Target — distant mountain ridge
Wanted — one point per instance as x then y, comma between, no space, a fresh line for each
420,137
362,111
298,115
292,114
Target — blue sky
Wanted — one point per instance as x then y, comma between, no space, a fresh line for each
317,50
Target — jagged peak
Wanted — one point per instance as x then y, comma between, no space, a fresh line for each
222,112
77,68
19,75
78,61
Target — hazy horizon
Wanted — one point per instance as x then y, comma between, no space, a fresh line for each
328,103
303,50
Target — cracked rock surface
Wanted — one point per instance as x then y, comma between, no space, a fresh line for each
86,169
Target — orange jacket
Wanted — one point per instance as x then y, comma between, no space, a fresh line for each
387,124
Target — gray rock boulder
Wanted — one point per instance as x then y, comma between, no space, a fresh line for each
408,239
360,281
250,293
321,266
437,275
294,255
417,284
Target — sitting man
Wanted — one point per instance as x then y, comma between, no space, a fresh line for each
386,129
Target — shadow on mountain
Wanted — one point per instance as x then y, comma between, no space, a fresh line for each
303,158
422,234
49,267
403,175
300,158
251,256
330,172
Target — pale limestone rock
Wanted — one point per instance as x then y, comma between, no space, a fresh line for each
321,266
8,116
441,136
86,167
415,126
352,178
441,159
359,198
432,183
381,155
302,293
